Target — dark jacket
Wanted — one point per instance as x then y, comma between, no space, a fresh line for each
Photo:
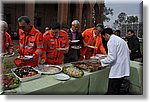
134,46
68,56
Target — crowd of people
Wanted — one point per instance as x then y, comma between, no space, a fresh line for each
68,44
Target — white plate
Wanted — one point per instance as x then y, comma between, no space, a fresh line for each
91,46
101,56
61,49
74,41
94,57
26,57
75,47
62,76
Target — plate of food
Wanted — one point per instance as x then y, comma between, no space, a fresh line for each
6,55
75,47
88,65
62,77
62,49
9,81
73,71
75,41
48,69
25,73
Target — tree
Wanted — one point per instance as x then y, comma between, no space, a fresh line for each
124,18
121,19
107,12
132,19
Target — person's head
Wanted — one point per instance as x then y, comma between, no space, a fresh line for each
130,33
75,25
55,27
24,23
65,27
98,29
107,33
4,27
118,32
46,29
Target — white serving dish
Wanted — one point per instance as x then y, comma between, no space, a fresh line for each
46,66
27,78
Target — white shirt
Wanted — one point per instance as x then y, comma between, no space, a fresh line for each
118,57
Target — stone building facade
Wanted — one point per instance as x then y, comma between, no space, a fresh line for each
43,13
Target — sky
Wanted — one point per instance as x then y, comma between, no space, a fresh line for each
130,7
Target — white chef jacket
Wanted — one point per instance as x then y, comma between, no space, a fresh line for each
118,57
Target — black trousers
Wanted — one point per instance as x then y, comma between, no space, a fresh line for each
114,86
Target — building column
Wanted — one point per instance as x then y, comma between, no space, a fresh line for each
29,9
62,17
79,13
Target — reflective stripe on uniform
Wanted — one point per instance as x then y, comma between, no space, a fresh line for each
40,46
21,45
10,47
44,52
28,47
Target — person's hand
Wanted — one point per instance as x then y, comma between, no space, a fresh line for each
129,51
18,50
42,61
66,50
34,57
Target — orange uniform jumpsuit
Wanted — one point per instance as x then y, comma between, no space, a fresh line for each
89,39
8,44
29,44
52,55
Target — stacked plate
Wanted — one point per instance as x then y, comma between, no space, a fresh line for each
62,76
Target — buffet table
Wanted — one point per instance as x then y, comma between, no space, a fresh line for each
91,83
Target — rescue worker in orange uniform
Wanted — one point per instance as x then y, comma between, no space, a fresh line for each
7,44
92,40
53,40
30,43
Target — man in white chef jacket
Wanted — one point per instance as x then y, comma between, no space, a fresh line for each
119,60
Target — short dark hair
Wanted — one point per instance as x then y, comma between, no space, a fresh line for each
55,25
130,30
25,18
100,25
107,30
118,31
